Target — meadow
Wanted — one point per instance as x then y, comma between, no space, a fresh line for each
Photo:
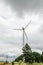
16,63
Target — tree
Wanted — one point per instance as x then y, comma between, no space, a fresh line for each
27,53
36,56
12,63
42,57
19,58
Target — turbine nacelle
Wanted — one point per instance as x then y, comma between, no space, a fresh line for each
22,28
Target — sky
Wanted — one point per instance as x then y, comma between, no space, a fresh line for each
15,14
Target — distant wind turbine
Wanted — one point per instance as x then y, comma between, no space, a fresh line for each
24,33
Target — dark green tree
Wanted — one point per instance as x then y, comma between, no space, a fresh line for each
19,58
12,63
36,56
42,57
27,53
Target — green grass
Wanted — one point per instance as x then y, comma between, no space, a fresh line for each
35,64
17,63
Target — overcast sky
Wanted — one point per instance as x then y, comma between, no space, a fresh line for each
17,14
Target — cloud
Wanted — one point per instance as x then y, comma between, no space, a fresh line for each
41,29
21,6
36,39
11,40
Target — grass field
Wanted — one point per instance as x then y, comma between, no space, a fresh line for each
3,63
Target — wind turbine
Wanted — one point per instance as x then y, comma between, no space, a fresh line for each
24,33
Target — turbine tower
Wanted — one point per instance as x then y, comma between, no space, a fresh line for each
24,33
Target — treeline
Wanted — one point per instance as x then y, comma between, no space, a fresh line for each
29,56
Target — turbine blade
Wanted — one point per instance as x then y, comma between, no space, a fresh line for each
17,29
27,25
25,35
